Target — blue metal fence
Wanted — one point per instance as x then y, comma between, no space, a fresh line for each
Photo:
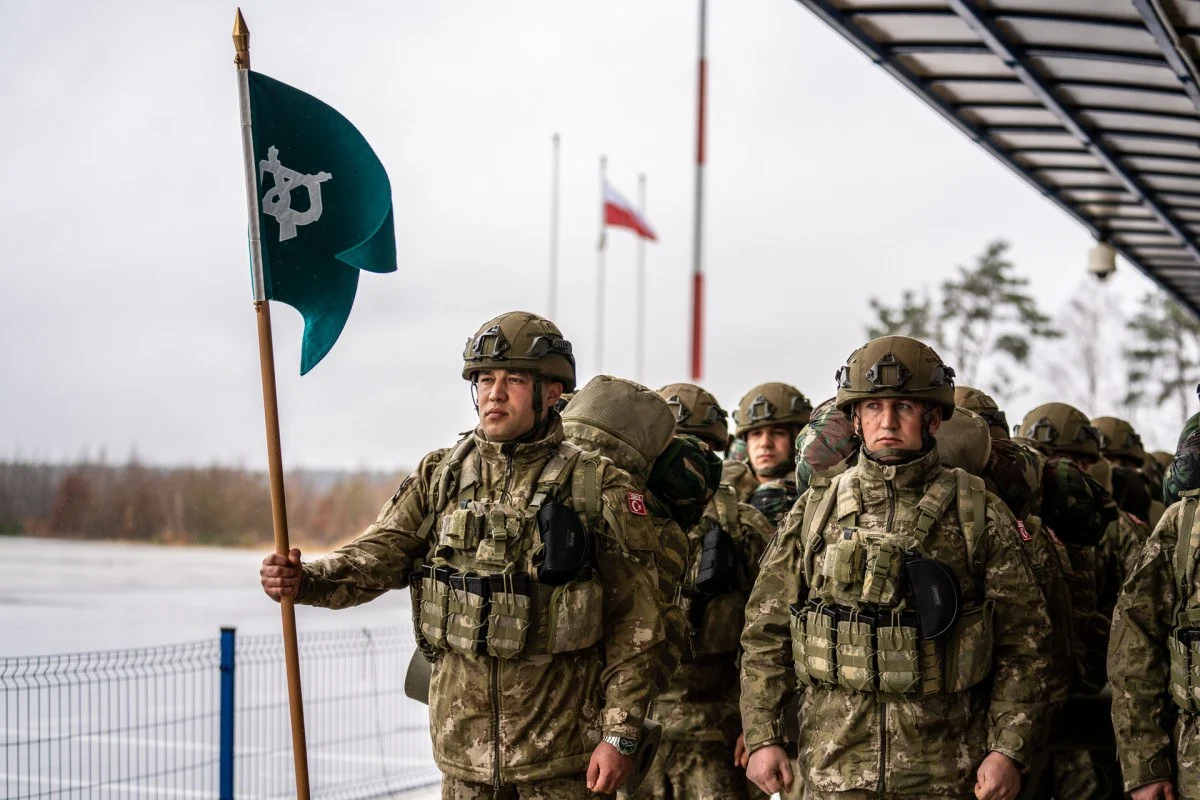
210,719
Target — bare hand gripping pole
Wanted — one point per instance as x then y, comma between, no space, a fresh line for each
266,357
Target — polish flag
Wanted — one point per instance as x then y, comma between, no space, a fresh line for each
619,213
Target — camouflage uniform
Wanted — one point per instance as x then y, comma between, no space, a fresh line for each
560,665
942,713
698,710
765,406
1156,740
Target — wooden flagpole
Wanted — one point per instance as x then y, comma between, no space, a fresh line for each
266,358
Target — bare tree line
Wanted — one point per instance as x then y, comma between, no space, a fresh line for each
195,505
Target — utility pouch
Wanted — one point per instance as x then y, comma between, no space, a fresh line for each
467,613
856,668
933,673
1184,644
499,537
844,562
567,544
508,614
459,530
969,648
935,593
799,618
884,560
718,560
820,642
414,591
575,618
898,653
435,598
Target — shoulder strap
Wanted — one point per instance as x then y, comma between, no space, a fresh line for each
972,510
821,495
935,503
1187,552
555,474
727,510
587,485
445,482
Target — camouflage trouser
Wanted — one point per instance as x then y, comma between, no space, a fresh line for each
809,794
571,788
686,770
1087,776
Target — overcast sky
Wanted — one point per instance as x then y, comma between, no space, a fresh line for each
124,308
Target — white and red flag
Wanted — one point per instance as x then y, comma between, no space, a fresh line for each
620,213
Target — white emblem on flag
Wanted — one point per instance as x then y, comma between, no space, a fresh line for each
277,202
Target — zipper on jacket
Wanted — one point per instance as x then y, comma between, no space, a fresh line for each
891,505
495,725
508,476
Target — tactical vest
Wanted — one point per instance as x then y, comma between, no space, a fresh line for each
478,590
717,616
859,627
1184,642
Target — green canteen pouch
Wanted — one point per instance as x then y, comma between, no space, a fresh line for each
898,653
508,614
467,613
575,617
856,651
969,648
435,598
820,643
1184,645
799,618
884,568
721,625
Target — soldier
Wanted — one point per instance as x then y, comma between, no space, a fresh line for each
1154,653
982,404
699,709
901,697
535,591
1122,448
768,419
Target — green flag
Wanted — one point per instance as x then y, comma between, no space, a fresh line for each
325,209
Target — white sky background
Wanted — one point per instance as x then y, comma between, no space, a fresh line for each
124,299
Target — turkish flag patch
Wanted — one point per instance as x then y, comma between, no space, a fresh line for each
1053,536
1025,535
637,504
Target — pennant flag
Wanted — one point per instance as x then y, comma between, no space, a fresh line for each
325,209
619,213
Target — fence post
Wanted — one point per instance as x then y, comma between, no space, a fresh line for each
228,638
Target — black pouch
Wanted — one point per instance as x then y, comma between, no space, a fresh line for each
935,593
567,544
718,561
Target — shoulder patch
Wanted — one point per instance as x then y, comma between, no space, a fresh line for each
637,503
1025,535
1053,536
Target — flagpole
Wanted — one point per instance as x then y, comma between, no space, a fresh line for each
600,272
554,231
641,283
266,359
698,211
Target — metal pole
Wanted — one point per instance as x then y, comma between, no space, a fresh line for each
641,284
600,271
228,640
266,360
698,210
554,231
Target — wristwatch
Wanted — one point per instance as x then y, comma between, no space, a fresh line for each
625,747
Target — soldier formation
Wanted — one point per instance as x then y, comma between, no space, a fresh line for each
887,596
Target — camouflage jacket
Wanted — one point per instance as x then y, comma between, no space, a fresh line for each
1117,556
922,746
1155,741
701,702
528,717
739,475
1052,570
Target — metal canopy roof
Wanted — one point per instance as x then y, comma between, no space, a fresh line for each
1094,102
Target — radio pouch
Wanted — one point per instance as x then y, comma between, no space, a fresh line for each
935,593
718,561
567,544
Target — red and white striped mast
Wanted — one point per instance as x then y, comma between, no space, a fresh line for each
698,212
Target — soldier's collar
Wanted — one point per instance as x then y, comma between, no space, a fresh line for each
915,474
523,450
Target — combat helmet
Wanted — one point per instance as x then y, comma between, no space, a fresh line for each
895,367
519,340
973,399
771,404
1183,473
1060,429
697,413
1119,440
